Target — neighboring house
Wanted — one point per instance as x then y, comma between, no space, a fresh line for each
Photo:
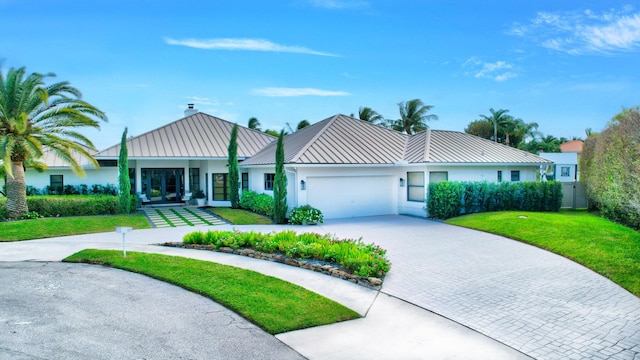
574,146
343,166
564,168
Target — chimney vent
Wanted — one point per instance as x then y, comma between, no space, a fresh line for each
190,110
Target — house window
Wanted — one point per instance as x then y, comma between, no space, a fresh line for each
245,181
108,163
220,187
415,186
268,181
194,179
132,179
56,182
564,171
499,175
515,175
438,176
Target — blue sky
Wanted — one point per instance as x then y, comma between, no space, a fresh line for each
566,65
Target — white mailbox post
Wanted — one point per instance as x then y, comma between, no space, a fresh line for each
123,230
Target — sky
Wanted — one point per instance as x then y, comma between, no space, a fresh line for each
566,65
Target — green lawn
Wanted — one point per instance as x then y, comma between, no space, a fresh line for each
240,217
63,226
609,249
275,305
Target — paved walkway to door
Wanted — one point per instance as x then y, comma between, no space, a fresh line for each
173,216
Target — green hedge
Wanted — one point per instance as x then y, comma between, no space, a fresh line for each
73,205
258,203
449,199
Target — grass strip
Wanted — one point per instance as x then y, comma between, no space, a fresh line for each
198,216
181,217
273,304
72,225
165,218
610,249
240,216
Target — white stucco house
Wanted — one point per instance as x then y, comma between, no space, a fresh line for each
565,166
343,166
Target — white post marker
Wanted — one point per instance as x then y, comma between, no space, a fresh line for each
123,230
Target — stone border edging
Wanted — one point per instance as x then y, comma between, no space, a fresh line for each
327,269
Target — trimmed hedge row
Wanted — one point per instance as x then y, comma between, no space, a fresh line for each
449,199
74,205
258,203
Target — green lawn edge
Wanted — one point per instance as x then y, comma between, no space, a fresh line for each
272,304
610,249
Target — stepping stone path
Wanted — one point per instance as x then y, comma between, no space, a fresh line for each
162,217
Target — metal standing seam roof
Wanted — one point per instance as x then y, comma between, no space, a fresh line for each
195,136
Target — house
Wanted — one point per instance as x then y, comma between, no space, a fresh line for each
343,166
564,168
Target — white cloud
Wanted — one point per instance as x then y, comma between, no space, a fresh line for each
497,71
243,44
201,100
339,4
286,92
584,32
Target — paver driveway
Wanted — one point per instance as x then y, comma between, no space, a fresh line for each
532,300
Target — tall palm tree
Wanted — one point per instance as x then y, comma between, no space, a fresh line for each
35,117
498,118
369,115
254,124
413,116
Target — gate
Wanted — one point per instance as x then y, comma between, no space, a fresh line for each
574,195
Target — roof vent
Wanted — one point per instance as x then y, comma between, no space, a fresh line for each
190,110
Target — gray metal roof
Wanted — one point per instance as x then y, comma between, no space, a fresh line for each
344,140
195,136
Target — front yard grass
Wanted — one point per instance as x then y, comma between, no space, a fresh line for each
240,217
607,248
274,305
73,225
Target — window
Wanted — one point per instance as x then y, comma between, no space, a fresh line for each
56,182
415,186
438,176
515,175
194,180
564,171
220,187
108,163
268,181
245,181
499,175
132,179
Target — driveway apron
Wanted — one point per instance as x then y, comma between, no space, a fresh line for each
532,300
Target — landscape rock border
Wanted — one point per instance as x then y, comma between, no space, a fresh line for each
324,268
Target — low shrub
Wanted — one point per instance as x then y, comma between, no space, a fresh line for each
305,214
258,203
449,199
72,205
354,256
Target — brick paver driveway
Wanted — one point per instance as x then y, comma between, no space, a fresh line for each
534,301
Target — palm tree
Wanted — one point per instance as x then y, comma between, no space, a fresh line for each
302,124
254,124
498,118
35,117
369,115
413,115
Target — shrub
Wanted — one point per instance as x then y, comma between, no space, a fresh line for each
449,199
305,214
73,205
354,256
258,203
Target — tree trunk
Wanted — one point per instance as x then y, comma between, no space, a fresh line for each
16,192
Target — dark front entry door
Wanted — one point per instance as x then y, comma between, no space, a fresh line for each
163,185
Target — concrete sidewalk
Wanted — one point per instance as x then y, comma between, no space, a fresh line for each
391,328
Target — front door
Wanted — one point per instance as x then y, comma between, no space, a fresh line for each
163,185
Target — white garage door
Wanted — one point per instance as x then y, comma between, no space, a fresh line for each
351,196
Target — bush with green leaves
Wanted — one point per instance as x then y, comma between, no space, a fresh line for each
305,214
449,199
353,255
258,203
72,205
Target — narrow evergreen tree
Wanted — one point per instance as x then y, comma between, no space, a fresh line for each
280,184
123,176
234,189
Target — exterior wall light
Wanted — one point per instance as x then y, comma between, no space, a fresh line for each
401,182
303,185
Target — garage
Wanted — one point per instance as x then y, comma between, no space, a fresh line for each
350,196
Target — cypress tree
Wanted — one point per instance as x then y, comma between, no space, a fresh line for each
280,184
123,176
234,189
